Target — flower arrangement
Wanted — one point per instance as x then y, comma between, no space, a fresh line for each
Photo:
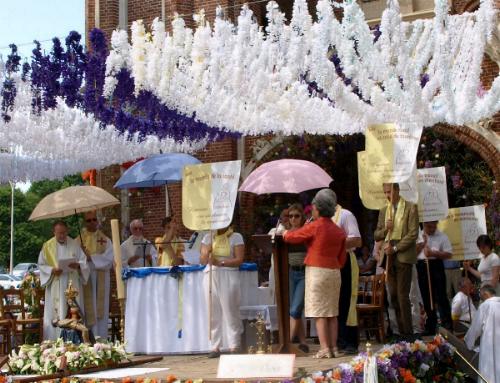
400,362
49,357
404,362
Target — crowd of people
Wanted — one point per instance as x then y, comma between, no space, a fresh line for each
425,287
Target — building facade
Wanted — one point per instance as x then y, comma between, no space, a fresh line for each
151,205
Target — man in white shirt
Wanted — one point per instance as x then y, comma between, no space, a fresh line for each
486,324
435,248
137,251
462,308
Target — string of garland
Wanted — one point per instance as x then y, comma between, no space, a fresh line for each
78,78
236,77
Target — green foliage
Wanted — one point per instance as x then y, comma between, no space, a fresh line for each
29,236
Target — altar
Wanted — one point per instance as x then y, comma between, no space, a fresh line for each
166,311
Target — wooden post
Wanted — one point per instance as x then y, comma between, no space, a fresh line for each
120,286
210,276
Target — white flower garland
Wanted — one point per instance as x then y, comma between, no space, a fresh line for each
237,78
64,141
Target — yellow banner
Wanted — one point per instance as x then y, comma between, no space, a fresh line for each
463,226
209,194
196,196
371,189
391,150
370,185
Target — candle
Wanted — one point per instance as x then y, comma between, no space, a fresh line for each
115,234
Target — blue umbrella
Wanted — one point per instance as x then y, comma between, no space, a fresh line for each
160,169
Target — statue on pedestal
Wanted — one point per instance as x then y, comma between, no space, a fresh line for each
73,327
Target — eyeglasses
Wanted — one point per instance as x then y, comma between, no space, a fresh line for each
293,215
137,228
91,220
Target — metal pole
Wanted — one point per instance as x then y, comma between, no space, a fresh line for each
11,266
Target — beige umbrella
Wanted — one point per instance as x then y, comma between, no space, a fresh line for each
72,200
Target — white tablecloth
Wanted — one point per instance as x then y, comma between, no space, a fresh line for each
151,314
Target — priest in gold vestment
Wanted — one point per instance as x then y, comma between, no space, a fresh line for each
99,251
61,260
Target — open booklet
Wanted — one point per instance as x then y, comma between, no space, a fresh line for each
63,264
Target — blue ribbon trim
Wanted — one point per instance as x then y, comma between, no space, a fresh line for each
174,271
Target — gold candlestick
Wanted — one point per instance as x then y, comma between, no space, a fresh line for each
261,347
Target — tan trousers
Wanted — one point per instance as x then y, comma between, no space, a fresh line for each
399,280
452,278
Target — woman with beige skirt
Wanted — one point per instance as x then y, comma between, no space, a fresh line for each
325,257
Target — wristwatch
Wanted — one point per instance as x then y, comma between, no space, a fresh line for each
395,249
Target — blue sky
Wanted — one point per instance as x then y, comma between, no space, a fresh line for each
22,21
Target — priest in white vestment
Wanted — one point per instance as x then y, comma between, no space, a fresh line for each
60,261
137,251
486,324
99,251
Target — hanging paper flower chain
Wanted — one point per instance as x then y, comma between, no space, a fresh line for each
56,121
65,140
238,78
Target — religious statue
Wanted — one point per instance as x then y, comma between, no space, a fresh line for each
73,327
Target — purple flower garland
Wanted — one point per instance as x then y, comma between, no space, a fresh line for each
9,91
78,77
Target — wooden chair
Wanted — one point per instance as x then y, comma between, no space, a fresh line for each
370,305
23,325
6,328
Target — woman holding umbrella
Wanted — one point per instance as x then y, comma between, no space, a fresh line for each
325,256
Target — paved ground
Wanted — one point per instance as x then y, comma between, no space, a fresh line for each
199,366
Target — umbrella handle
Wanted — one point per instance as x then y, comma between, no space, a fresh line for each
78,226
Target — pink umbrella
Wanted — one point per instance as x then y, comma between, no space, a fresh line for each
286,176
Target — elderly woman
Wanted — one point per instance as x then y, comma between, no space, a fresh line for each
296,277
169,247
489,267
226,254
325,256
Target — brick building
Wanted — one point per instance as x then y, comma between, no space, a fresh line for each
150,204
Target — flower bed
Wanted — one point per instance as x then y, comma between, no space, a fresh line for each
49,357
400,362
417,362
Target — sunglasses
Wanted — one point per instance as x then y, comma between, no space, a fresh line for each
91,220
294,216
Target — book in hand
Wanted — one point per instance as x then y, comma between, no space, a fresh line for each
63,264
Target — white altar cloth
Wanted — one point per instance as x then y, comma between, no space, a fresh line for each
151,314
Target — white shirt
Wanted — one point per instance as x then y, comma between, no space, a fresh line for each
349,224
132,246
486,267
438,241
460,307
486,324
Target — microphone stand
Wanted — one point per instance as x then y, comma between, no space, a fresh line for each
144,244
